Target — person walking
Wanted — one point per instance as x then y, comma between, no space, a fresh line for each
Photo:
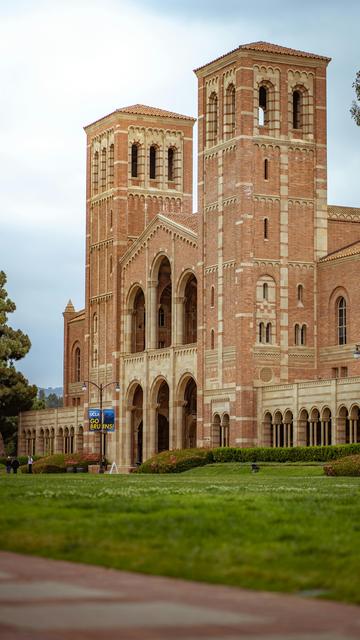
30,464
15,465
8,464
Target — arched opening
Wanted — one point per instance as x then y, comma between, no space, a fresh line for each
268,333
303,335
300,293
137,438
189,415
212,339
41,442
163,417
71,440
103,168
77,365
152,162
138,317
296,110
216,430
266,229
288,426
225,431
343,426
111,166
95,323
190,311
47,442
262,333
134,160
212,119
266,169
263,106
80,440
353,431
212,296
278,430
96,172
265,291
229,115
341,320
66,445
325,436
171,164
164,298
297,336
313,436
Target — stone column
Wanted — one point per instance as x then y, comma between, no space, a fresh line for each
153,429
179,440
127,444
274,435
152,315
179,319
339,429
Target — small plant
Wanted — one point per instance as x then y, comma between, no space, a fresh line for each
348,466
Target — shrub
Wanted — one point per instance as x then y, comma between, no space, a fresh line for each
176,461
348,466
58,462
22,459
184,459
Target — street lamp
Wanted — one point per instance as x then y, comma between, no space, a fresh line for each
100,387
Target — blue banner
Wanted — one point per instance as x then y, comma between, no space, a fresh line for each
94,416
108,421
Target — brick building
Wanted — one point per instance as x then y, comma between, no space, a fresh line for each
236,325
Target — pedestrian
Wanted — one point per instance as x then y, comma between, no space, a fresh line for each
15,465
8,464
30,464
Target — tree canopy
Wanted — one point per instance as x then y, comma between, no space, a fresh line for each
355,107
15,392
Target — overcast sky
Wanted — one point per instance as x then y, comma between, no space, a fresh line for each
66,63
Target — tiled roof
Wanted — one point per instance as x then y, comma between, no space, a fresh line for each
350,250
337,210
144,110
268,47
189,221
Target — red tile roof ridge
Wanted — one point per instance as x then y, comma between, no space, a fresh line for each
189,220
342,252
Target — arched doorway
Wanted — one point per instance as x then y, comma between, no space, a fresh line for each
189,434
163,417
216,430
138,322
190,311
137,453
164,296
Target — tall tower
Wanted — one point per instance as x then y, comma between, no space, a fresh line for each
263,205
139,164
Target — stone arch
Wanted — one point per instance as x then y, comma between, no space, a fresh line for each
161,299
136,319
216,430
343,425
186,401
267,429
354,424
135,402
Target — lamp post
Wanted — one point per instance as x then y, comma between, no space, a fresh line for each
356,353
100,387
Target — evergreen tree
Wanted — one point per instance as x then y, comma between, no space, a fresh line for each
355,107
15,392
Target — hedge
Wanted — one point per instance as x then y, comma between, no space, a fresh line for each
348,466
181,460
22,459
59,462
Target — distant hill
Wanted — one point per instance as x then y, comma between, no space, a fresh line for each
57,390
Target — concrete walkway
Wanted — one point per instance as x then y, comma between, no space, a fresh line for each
52,600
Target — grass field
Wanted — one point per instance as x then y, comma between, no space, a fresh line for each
287,528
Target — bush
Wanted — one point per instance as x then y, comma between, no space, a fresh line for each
176,461
184,459
22,459
348,466
59,462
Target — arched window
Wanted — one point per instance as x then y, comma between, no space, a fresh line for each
111,219
95,323
266,169
297,334
95,358
161,317
212,119
263,106
303,335
212,296
110,265
296,110
341,320
268,336
111,166
152,159
261,332
229,119
300,292
96,172
266,229
134,160
212,339
265,291
103,168
77,365
171,173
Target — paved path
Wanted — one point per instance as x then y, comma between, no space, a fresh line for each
52,600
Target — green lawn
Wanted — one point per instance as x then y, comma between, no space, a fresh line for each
287,528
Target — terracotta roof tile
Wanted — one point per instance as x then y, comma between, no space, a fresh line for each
338,210
268,47
144,110
350,250
189,221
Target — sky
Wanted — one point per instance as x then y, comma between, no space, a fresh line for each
65,64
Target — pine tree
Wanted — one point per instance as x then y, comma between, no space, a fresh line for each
15,392
355,107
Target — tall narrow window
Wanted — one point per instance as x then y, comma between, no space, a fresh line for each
212,296
261,332
95,358
110,265
111,166
297,335
266,229
152,162
77,364
95,323
96,172
263,99
111,218
268,336
171,164
300,292
229,119
303,335
213,119
296,110
103,168
265,291
161,317
134,161
266,169
212,339
341,320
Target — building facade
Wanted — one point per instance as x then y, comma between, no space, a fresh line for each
233,326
